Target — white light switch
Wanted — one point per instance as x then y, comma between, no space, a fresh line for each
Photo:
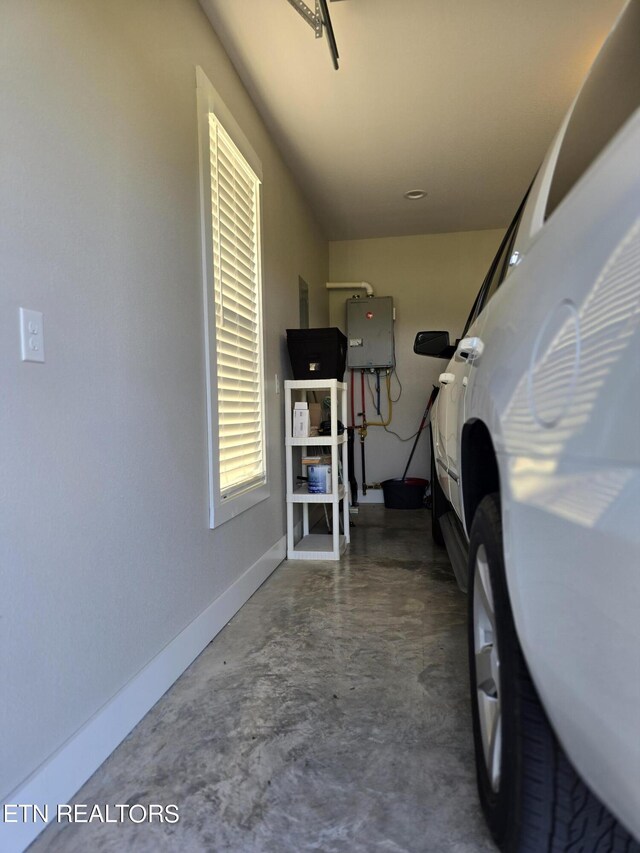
277,384
31,335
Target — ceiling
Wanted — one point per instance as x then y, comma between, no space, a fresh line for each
459,99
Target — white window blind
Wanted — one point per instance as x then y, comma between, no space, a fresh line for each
236,280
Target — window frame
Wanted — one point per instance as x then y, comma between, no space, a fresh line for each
221,508
504,253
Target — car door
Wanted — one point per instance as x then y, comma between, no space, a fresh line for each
457,380
452,382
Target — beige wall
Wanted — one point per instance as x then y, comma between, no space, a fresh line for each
105,550
433,280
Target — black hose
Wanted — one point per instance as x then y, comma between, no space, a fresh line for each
364,475
353,483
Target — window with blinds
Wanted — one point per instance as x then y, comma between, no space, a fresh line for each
230,182
235,225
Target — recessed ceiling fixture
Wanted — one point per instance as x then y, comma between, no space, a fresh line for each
414,195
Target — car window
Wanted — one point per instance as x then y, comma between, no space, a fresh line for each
474,311
609,96
480,300
498,269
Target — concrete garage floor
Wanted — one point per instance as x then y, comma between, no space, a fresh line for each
331,714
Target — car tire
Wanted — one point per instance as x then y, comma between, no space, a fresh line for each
532,798
438,500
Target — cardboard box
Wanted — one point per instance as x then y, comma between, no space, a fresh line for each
324,459
315,414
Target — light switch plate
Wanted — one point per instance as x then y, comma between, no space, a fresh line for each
31,335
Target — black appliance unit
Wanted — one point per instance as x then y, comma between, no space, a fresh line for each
317,353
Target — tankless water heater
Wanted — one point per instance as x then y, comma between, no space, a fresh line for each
370,332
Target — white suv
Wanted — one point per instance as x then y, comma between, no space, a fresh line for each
536,449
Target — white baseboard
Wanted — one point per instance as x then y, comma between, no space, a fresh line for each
60,777
373,496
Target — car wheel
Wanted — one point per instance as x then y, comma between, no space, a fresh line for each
438,500
532,798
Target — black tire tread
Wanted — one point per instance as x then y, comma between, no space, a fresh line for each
583,823
555,811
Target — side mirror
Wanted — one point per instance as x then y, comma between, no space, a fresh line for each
433,343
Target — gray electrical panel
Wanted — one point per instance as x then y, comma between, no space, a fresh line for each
370,332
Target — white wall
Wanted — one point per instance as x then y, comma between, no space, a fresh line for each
433,279
105,551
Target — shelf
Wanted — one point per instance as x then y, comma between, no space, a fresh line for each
317,440
302,496
317,546
315,384
333,450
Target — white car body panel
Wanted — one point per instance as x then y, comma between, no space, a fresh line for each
558,387
439,437
450,417
455,412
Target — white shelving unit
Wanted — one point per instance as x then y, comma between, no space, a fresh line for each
317,546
